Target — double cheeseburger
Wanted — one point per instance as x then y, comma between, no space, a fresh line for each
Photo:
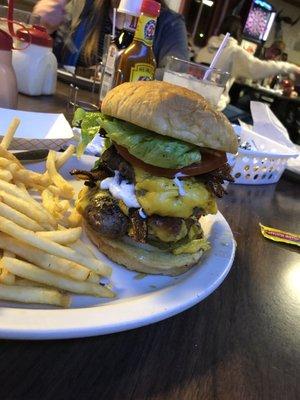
162,168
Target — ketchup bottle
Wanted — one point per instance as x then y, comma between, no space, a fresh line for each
8,86
137,63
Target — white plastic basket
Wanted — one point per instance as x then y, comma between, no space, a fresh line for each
259,167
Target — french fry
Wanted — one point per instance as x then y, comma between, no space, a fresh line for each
4,162
66,188
33,294
62,237
22,186
50,247
26,282
9,156
40,244
74,218
18,218
17,192
20,174
13,168
94,278
25,208
81,248
6,277
30,271
7,253
31,178
10,133
44,260
12,189
63,205
48,200
55,190
65,156
6,175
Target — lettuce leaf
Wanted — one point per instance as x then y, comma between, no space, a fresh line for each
78,117
90,124
150,147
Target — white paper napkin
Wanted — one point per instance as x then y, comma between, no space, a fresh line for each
293,164
267,124
269,135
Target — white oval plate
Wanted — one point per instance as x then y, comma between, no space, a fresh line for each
140,301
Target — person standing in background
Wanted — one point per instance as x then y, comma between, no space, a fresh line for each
81,25
238,62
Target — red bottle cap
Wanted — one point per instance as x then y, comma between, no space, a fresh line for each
6,42
36,35
151,8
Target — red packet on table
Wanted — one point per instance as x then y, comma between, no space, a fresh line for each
280,236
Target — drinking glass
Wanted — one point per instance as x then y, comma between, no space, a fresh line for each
206,81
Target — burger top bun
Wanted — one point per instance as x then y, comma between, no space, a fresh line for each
173,111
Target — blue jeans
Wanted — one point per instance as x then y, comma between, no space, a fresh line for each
234,114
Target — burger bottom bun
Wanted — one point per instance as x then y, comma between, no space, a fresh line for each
142,260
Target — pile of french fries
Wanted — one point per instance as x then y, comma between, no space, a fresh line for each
42,257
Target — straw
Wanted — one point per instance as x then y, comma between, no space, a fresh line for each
114,22
217,55
10,17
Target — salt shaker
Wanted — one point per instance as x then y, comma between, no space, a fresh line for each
35,65
8,82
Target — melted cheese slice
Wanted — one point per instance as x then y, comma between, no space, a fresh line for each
158,195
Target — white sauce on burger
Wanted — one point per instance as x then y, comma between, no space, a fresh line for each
121,190
142,214
179,184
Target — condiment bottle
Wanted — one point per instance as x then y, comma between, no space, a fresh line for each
35,65
8,82
128,12
137,63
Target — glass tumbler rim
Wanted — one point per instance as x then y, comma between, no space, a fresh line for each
205,67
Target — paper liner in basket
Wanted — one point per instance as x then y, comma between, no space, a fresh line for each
37,130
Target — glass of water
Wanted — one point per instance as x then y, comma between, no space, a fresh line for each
208,82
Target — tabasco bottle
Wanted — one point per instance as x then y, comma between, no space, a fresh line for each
128,13
137,63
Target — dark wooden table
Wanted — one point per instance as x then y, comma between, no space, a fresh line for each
242,342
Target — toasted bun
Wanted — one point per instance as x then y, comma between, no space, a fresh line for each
141,260
173,111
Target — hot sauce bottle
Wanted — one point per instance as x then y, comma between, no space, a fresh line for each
137,63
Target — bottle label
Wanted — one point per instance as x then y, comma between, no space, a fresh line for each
145,30
109,71
142,72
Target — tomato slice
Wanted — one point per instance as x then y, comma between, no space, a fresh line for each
211,160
